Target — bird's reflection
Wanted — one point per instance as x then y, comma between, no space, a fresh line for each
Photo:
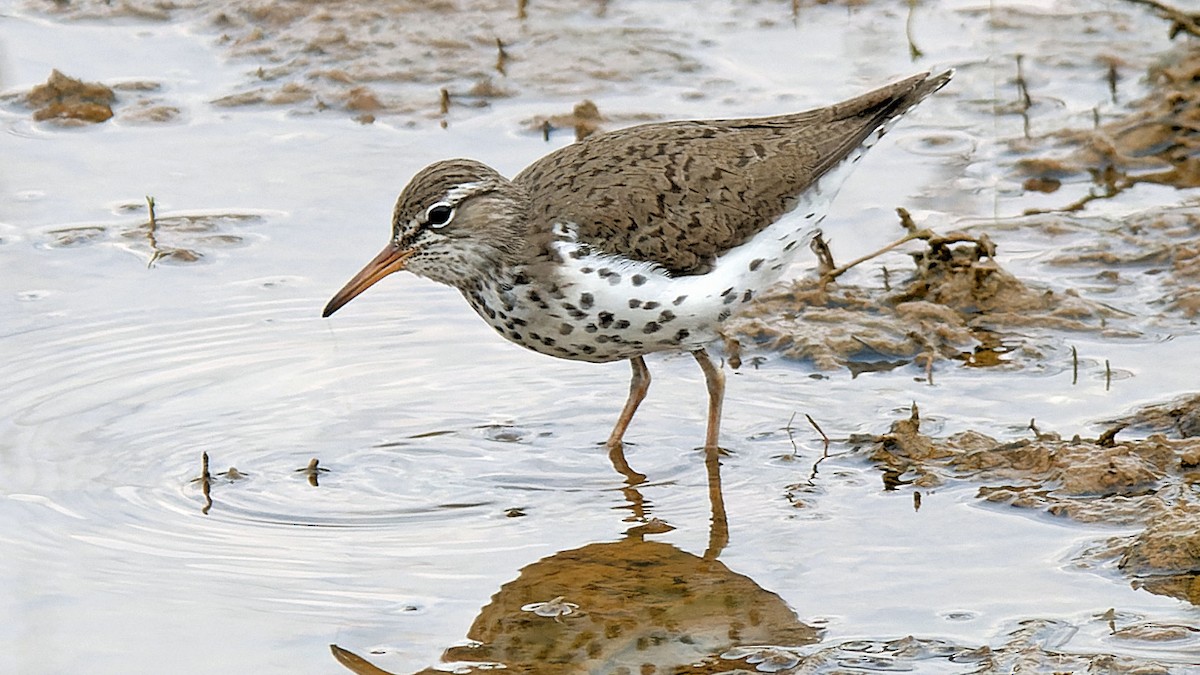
624,606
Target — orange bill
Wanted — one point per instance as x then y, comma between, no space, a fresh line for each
390,259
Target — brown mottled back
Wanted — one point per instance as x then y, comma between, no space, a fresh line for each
690,191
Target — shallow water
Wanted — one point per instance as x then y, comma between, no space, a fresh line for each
456,460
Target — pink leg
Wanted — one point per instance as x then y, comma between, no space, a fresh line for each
715,380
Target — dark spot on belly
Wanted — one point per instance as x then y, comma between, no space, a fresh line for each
682,334
666,315
590,328
651,327
730,298
679,300
790,245
726,292
747,295
587,349
586,300
565,329
634,303
638,279
586,270
723,315
621,324
755,264
606,319
650,305
602,339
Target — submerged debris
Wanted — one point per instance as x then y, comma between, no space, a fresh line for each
1160,243
183,238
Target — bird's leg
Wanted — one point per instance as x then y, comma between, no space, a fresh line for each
715,381
638,385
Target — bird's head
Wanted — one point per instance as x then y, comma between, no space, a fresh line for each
455,221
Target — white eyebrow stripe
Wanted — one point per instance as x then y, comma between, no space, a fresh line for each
461,192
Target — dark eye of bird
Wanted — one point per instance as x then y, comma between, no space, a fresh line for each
439,214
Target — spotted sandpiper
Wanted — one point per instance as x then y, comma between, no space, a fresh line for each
638,240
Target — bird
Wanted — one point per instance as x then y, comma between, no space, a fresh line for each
637,240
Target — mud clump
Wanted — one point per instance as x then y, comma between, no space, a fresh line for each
1142,482
69,102
66,100
1165,557
1179,418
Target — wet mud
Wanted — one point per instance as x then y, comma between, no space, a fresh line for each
1157,141
1147,482
397,58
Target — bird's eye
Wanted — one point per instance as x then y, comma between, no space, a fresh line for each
439,214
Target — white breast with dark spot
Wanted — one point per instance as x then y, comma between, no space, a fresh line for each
602,307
